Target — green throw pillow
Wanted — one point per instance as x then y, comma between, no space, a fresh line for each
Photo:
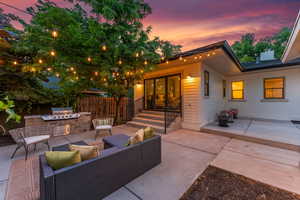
61,159
148,133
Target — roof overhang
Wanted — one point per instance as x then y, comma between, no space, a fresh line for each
219,55
292,50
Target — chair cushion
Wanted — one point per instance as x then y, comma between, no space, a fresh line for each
61,159
148,133
86,152
36,139
101,127
119,140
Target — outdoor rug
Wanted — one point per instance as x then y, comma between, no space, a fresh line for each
23,182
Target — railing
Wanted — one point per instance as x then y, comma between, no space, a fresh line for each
169,117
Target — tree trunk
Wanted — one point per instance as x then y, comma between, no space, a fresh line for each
117,111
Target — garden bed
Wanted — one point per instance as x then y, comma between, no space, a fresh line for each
218,184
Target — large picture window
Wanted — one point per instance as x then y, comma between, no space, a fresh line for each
206,83
274,88
237,90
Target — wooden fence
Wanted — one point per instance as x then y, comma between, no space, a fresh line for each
102,107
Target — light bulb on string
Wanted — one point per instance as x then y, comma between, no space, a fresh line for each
89,59
96,73
15,63
120,62
54,34
40,61
145,62
72,68
57,75
137,55
103,47
49,69
52,53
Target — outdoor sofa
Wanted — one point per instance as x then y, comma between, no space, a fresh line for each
97,178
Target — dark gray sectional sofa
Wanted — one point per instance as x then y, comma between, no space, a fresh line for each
96,178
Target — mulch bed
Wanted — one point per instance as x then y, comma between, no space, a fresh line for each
218,184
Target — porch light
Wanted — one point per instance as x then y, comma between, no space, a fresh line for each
189,76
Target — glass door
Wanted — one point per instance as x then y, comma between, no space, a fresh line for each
173,92
149,94
160,93
163,93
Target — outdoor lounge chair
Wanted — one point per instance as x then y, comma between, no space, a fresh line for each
104,124
27,136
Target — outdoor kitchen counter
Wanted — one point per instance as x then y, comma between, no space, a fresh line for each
62,126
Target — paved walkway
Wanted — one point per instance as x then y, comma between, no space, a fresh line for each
185,155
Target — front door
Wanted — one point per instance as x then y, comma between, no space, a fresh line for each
163,93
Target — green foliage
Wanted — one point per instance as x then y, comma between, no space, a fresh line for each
248,48
7,106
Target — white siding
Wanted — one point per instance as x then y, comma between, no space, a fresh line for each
256,108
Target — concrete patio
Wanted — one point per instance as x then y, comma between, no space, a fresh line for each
283,134
185,155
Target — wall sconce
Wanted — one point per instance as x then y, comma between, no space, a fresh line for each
189,76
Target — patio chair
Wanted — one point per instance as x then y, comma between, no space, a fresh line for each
104,124
27,136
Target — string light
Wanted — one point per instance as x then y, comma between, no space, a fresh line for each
72,68
52,53
208,55
184,60
89,59
200,57
96,73
104,48
104,79
91,79
120,62
167,62
162,58
40,61
15,62
74,72
77,78
127,73
54,34
180,58
195,57
57,75
213,53
49,69
146,62
33,69
137,55
142,71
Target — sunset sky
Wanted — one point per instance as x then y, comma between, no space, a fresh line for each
194,23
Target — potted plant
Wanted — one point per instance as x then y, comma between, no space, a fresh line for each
6,106
223,119
234,112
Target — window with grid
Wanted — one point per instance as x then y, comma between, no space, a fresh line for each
237,90
206,83
274,88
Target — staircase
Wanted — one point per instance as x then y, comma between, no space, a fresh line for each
152,119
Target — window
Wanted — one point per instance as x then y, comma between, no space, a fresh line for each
224,88
206,83
237,90
274,88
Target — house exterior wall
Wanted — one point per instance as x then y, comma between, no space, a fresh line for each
255,106
215,102
190,91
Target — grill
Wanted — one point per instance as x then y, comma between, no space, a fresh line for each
61,114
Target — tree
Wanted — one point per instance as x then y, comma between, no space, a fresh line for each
107,49
249,48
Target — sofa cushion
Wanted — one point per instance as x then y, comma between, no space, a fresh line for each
148,133
86,152
119,140
61,159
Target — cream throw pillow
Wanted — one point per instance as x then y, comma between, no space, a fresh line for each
138,137
86,152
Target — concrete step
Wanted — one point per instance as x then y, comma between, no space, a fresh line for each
158,129
155,122
151,116
153,112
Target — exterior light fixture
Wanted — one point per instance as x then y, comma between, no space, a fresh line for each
189,76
